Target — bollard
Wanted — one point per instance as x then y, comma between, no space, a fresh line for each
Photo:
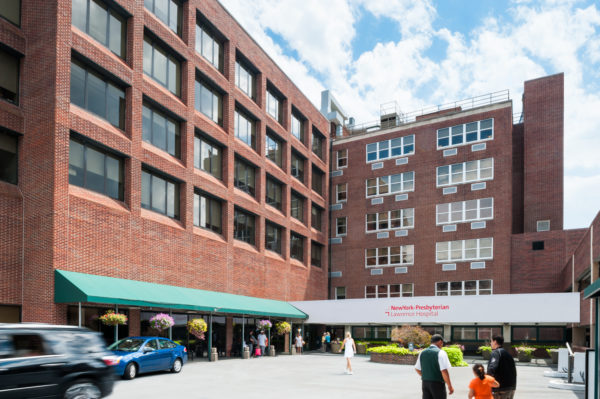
246,354
214,356
272,350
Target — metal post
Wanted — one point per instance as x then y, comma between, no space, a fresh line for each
79,322
116,326
209,337
570,360
291,335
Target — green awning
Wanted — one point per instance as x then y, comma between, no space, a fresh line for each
592,290
72,287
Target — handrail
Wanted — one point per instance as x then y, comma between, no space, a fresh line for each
570,350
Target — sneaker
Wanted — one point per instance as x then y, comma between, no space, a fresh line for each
350,372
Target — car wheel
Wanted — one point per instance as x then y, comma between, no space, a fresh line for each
177,366
82,389
130,371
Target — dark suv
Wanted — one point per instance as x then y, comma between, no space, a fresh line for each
47,361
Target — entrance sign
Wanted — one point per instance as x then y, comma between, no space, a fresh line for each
511,308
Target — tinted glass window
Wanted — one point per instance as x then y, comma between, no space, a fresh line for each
207,156
243,227
244,177
96,19
245,129
160,130
8,158
207,212
209,102
168,11
273,237
163,67
11,10
160,194
208,46
9,77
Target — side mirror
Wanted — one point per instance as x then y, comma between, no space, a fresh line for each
148,349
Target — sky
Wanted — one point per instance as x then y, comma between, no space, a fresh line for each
422,53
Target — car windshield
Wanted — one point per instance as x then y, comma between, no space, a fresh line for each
127,345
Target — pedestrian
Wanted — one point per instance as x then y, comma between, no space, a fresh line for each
433,366
324,342
502,367
327,342
253,343
299,343
262,342
349,351
481,386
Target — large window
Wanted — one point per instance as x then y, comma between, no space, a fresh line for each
341,226
471,287
244,79
466,172
245,128
95,169
298,127
475,333
297,167
208,45
160,194
243,226
317,180
11,11
389,290
341,192
391,220
273,193
162,66
465,211
297,206
316,254
393,184
244,177
96,94
207,212
160,130
274,149
464,250
102,23
273,237
390,256
318,141
296,246
274,106
342,158
168,11
465,134
554,334
340,292
316,217
209,102
8,158
393,148
207,156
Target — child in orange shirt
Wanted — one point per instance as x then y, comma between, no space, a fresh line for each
481,387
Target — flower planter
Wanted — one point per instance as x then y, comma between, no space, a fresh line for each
393,359
486,355
336,348
361,349
523,357
554,356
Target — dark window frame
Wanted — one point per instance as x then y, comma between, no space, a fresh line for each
299,214
270,136
176,192
271,182
317,188
5,174
242,184
212,144
157,45
154,110
303,123
319,138
476,327
200,83
239,212
111,10
317,262
211,201
178,31
295,171
6,94
239,112
206,27
317,224
277,241
537,334
18,23
295,238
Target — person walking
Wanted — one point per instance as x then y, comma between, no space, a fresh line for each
262,342
253,343
433,366
299,343
481,386
349,350
501,366
327,342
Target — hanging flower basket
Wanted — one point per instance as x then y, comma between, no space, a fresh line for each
264,325
161,321
283,327
111,318
197,327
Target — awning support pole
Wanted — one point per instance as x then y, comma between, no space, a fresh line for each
291,335
79,321
243,336
210,337
116,325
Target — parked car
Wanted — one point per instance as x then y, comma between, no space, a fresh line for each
137,355
49,361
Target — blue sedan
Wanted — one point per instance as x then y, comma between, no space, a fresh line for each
136,355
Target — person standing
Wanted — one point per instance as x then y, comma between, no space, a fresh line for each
481,386
327,342
433,366
262,342
323,344
502,367
253,343
299,343
349,350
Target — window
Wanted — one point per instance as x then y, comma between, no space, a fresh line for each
209,102
340,292
537,246
97,95
243,226
393,148
466,172
208,45
11,11
317,181
465,133
168,11
472,287
95,169
298,127
296,246
244,79
543,225
393,184
160,194
297,166
340,226
316,216
341,192
161,66
8,158
207,156
464,250
160,130
342,158
274,149
102,23
244,177
390,256
272,237
316,250
391,220
465,211
475,333
297,206
317,143
274,106
245,128
391,291
207,212
273,193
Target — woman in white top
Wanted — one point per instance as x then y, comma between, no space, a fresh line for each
299,343
349,351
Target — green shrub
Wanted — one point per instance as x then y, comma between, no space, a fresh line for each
374,343
392,349
408,334
455,356
483,349
528,350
